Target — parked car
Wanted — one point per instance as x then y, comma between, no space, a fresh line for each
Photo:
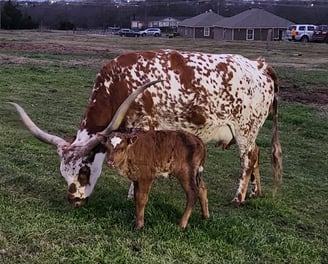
127,32
114,30
320,34
155,32
304,33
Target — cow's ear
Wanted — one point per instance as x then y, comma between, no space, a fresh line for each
132,139
102,138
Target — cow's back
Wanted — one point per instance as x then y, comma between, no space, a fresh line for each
200,92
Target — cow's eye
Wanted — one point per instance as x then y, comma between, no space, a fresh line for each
84,176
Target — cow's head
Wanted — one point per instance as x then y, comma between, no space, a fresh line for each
81,160
117,145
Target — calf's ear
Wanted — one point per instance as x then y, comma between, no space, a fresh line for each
132,139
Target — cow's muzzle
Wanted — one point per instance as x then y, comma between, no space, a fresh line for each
76,201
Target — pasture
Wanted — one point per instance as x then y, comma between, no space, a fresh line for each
51,75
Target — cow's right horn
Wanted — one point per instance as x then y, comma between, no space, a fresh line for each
119,115
35,130
124,107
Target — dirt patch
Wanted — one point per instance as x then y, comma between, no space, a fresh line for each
6,59
289,93
317,97
53,47
9,59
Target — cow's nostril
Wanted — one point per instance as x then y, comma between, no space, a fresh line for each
72,188
76,201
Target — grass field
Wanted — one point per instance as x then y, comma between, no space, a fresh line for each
51,75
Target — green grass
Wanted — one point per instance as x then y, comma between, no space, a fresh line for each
38,226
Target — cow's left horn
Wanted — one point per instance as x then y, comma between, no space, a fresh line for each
35,130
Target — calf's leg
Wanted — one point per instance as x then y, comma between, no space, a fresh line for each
141,192
191,196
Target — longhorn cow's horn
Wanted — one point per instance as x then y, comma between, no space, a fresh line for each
124,107
119,115
35,130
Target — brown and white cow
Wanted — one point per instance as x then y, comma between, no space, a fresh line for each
219,98
143,155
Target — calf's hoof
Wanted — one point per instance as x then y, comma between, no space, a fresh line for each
183,225
138,228
206,216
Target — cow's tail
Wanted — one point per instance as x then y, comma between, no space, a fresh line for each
276,152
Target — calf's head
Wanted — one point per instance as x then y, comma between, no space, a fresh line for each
117,145
81,160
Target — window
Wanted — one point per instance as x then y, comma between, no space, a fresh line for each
250,34
206,31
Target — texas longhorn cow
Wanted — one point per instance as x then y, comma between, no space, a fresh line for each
224,98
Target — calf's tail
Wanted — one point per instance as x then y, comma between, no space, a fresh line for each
197,181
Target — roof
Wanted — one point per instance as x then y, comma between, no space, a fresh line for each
254,18
209,18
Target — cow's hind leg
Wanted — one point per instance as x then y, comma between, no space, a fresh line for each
248,159
141,192
202,195
256,189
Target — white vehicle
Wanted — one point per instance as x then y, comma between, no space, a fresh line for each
156,32
304,32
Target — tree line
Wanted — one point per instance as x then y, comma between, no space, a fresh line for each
12,18
61,15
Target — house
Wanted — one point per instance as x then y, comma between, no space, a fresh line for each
158,22
200,26
252,24
166,22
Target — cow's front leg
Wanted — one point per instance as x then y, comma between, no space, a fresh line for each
202,195
131,191
141,192
248,158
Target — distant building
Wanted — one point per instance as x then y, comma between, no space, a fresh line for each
200,26
252,24
159,22
167,22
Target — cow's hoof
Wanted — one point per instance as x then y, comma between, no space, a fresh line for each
255,195
235,203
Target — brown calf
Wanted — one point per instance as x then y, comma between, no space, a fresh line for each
141,156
